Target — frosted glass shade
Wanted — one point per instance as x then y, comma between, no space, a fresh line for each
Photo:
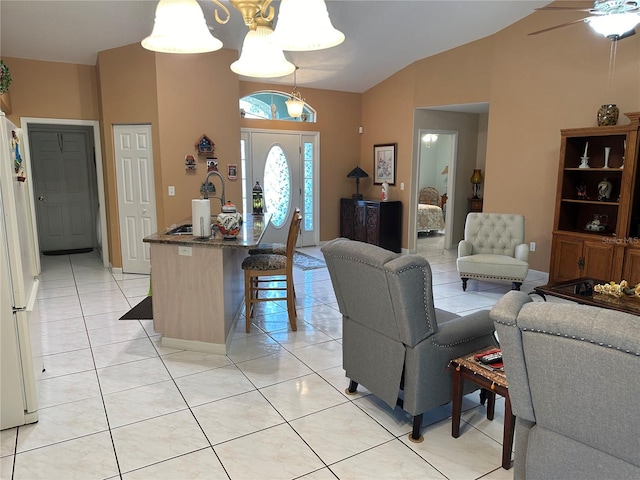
260,57
614,25
180,27
304,25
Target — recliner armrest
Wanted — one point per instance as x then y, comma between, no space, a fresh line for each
460,329
522,252
465,248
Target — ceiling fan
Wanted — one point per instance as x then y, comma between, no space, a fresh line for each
615,19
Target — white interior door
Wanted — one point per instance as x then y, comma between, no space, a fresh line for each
286,165
136,196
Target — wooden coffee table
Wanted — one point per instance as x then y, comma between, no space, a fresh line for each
492,381
581,291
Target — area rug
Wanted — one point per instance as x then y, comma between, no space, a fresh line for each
68,252
307,262
142,311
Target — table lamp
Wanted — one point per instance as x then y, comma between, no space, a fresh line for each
476,181
357,173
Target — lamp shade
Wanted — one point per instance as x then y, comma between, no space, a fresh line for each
357,173
476,178
295,106
260,57
614,25
180,27
304,25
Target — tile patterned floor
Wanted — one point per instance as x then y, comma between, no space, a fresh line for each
116,404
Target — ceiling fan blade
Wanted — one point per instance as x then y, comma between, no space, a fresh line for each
573,9
625,35
558,26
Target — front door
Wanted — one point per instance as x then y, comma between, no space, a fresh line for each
61,158
136,195
285,164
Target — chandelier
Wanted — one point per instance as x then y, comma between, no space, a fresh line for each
302,25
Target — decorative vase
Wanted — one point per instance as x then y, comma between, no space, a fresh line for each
604,189
229,221
608,115
385,192
607,151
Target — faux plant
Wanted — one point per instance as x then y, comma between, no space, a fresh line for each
5,78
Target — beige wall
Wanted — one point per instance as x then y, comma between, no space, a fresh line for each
52,90
535,86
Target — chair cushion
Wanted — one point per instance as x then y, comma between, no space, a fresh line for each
264,262
277,248
486,265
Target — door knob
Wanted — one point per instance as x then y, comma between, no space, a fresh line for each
144,210
41,198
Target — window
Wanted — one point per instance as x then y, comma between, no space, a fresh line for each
277,189
270,105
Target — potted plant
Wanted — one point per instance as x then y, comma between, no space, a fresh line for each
5,81
5,78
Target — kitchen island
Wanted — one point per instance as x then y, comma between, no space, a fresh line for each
198,284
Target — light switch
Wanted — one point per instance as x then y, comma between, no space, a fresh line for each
401,185
172,190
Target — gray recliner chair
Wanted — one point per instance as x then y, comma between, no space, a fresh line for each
493,249
395,343
574,384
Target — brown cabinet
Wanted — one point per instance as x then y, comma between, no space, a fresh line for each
597,213
371,221
474,205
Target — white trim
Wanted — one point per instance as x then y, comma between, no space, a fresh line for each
102,204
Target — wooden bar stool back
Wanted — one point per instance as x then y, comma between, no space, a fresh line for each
267,271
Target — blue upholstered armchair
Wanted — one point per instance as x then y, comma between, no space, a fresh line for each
393,337
574,384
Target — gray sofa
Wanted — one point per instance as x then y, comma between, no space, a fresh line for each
395,343
574,384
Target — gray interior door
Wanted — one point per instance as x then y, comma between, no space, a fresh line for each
61,159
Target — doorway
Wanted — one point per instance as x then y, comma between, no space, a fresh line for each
437,159
287,167
95,177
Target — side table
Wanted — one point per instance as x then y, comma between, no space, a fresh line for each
493,381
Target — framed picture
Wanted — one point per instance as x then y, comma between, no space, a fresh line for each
232,171
384,163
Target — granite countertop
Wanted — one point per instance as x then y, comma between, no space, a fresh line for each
251,232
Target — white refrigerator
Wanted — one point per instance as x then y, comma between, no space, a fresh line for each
21,344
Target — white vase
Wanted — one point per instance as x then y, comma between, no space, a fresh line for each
607,151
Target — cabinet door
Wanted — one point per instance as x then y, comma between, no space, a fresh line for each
373,223
567,255
598,260
347,218
360,222
632,265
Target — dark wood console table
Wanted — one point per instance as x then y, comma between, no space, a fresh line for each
372,221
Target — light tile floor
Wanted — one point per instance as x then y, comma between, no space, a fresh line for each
116,404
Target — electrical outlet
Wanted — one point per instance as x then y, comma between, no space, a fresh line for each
172,190
401,185
532,246
184,251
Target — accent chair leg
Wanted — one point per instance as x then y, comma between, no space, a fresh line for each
415,435
464,284
516,286
352,389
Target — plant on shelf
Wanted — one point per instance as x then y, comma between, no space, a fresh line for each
5,78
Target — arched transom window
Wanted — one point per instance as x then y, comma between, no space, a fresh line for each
270,105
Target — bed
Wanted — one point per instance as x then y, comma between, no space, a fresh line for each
430,215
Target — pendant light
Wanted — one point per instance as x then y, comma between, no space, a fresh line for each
304,25
296,103
180,27
260,57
